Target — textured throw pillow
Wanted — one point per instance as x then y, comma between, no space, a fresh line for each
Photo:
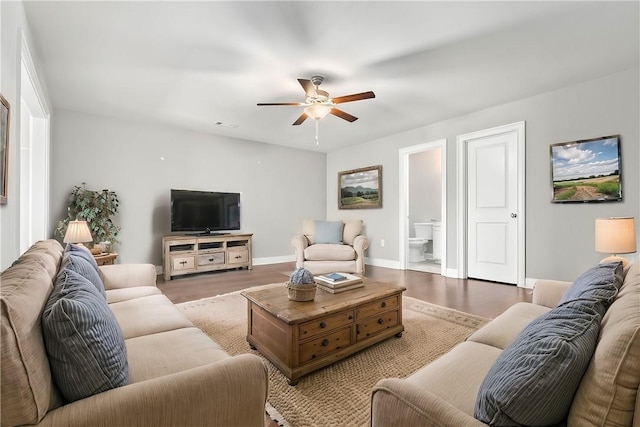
328,232
81,251
535,378
599,284
79,264
84,342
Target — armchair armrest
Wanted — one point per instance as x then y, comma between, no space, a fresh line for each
118,276
397,402
548,292
360,244
225,393
300,243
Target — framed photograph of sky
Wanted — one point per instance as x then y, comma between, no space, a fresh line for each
588,170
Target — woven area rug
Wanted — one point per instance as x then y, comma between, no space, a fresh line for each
339,394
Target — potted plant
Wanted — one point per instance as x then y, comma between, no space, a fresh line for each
97,208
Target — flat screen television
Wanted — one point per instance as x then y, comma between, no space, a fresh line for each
203,212
588,170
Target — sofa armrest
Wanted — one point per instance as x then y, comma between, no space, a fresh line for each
397,402
548,292
225,393
118,276
300,243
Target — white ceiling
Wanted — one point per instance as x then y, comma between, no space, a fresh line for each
190,64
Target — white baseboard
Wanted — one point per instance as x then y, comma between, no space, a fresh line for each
529,282
274,260
377,262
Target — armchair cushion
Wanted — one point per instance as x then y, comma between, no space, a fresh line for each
324,252
328,232
352,229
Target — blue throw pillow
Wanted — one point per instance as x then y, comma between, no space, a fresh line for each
86,349
533,381
74,262
328,232
81,251
599,285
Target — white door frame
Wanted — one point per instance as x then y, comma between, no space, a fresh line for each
403,221
35,179
462,142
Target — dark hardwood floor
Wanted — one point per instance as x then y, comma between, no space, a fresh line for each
482,298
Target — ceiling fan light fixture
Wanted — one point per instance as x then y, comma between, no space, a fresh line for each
317,111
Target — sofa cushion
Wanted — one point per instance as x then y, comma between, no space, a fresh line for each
27,389
608,392
84,342
598,284
324,252
79,264
534,379
147,315
329,232
504,328
165,353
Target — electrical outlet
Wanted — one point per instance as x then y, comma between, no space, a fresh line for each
382,243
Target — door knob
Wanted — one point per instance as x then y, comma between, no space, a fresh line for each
514,215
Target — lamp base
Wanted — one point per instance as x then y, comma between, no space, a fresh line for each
616,258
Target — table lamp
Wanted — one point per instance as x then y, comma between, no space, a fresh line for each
78,232
615,235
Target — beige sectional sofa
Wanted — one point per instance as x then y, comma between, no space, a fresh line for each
444,392
178,376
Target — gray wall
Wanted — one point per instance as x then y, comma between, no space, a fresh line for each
425,185
279,186
559,237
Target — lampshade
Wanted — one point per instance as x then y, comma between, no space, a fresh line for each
317,111
615,236
77,232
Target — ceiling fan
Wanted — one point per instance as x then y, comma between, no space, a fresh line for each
318,103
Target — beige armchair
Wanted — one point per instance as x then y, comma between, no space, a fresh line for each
326,246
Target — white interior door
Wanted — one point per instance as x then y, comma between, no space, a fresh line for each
494,215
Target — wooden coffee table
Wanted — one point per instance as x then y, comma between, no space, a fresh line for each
302,337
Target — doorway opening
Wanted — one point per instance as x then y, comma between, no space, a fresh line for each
423,207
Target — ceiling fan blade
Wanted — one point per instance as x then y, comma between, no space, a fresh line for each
308,87
354,97
278,103
346,116
301,119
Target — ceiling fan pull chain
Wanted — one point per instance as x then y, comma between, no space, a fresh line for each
317,129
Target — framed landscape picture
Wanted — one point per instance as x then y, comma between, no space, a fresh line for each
587,170
4,148
360,188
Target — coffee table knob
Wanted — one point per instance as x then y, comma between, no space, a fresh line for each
325,342
380,321
323,324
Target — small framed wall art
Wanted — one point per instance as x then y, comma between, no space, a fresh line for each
5,111
360,188
588,170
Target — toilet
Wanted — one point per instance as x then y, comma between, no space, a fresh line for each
417,245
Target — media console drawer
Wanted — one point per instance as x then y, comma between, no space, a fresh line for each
183,262
210,259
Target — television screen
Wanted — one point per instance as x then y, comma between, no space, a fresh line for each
204,211
587,170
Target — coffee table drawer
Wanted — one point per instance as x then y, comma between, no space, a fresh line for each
377,307
325,324
376,324
320,346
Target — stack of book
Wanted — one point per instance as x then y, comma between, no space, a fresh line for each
338,282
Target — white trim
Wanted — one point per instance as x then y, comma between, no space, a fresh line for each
529,282
461,146
386,263
403,204
453,272
273,260
39,108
